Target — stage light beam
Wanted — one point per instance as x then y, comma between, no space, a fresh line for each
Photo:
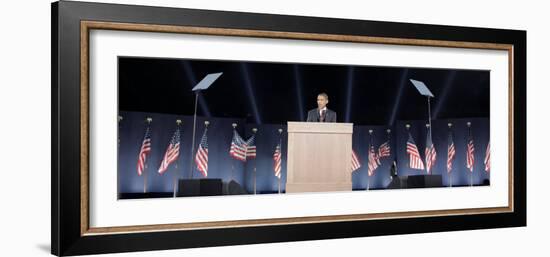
398,97
250,92
298,84
350,90
444,93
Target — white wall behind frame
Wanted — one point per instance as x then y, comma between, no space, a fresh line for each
25,124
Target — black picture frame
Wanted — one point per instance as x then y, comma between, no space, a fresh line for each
66,190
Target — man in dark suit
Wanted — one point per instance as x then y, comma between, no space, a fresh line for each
321,113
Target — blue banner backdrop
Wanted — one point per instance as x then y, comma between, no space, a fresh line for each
220,164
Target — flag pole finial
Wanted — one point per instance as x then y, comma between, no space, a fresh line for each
469,124
206,123
178,121
149,119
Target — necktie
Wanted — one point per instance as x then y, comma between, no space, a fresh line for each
322,116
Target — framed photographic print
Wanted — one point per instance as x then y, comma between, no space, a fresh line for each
179,128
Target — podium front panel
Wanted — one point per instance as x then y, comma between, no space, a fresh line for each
319,157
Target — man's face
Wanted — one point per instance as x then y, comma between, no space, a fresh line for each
321,101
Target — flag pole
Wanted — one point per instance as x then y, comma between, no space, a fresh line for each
368,161
472,168
234,125
175,175
254,175
281,154
149,119
193,137
408,126
254,130
449,172
429,117
175,178
429,129
279,186
145,179
120,118
388,133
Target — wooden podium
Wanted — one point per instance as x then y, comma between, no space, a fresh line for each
319,157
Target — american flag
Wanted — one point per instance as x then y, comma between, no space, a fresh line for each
450,152
238,147
487,160
277,160
373,161
430,152
415,162
201,158
251,147
384,150
470,154
145,149
172,152
355,163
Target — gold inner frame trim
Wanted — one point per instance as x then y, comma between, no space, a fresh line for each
86,26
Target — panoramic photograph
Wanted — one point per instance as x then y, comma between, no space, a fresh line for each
220,128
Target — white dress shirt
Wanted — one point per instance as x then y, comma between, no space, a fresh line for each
321,111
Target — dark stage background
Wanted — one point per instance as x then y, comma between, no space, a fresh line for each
267,95
274,93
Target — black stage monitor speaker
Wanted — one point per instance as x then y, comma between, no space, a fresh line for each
423,181
200,187
233,188
397,183
211,186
